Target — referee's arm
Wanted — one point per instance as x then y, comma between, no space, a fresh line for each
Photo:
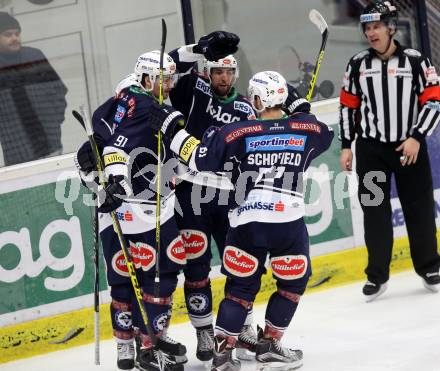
350,103
428,91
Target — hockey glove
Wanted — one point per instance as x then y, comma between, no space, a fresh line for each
165,118
295,103
111,197
84,158
217,44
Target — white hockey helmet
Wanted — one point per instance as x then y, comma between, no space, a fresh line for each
149,64
270,86
227,62
127,81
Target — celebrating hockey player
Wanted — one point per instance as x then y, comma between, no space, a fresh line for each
129,151
207,99
267,170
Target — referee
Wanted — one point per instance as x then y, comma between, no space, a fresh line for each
389,102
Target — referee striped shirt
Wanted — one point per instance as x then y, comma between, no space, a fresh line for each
389,100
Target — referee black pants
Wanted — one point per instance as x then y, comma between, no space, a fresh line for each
375,164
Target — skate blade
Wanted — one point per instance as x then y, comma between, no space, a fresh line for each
207,365
278,366
245,354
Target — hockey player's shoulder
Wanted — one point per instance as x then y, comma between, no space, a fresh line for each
412,52
242,104
361,55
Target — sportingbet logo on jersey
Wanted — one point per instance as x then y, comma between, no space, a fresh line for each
281,142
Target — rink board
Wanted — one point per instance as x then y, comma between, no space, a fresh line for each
46,264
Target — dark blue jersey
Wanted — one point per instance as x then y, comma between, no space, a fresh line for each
265,160
193,96
131,149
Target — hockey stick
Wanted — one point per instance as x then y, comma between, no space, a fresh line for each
318,20
96,264
96,286
85,123
158,178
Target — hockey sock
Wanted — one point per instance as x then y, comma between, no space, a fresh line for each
279,312
231,316
198,298
121,320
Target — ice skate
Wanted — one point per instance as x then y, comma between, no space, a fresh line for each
431,281
372,290
246,344
125,355
271,355
223,360
155,360
205,343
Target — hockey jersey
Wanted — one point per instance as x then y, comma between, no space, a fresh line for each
202,108
130,149
266,159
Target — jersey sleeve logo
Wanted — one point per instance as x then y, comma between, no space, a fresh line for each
114,158
243,107
203,87
233,135
188,148
120,113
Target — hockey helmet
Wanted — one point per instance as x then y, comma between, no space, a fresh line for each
149,64
383,11
227,62
270,87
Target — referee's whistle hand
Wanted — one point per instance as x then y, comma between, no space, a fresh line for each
346,159
410,150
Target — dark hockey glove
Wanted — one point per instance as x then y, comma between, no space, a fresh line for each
165,118
111,197
84,158
295,103
217,44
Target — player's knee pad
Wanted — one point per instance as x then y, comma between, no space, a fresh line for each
244,290
167,285
121,317
195,272
122,293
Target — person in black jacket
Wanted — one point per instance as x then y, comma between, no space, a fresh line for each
390,98
32,99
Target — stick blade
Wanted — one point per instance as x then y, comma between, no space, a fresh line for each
164,33
80,119
318,20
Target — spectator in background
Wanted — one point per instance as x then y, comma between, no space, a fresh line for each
32,99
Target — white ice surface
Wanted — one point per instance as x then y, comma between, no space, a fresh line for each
336,329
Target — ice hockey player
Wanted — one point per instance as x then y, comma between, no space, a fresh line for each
129,152
268,156
207,99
